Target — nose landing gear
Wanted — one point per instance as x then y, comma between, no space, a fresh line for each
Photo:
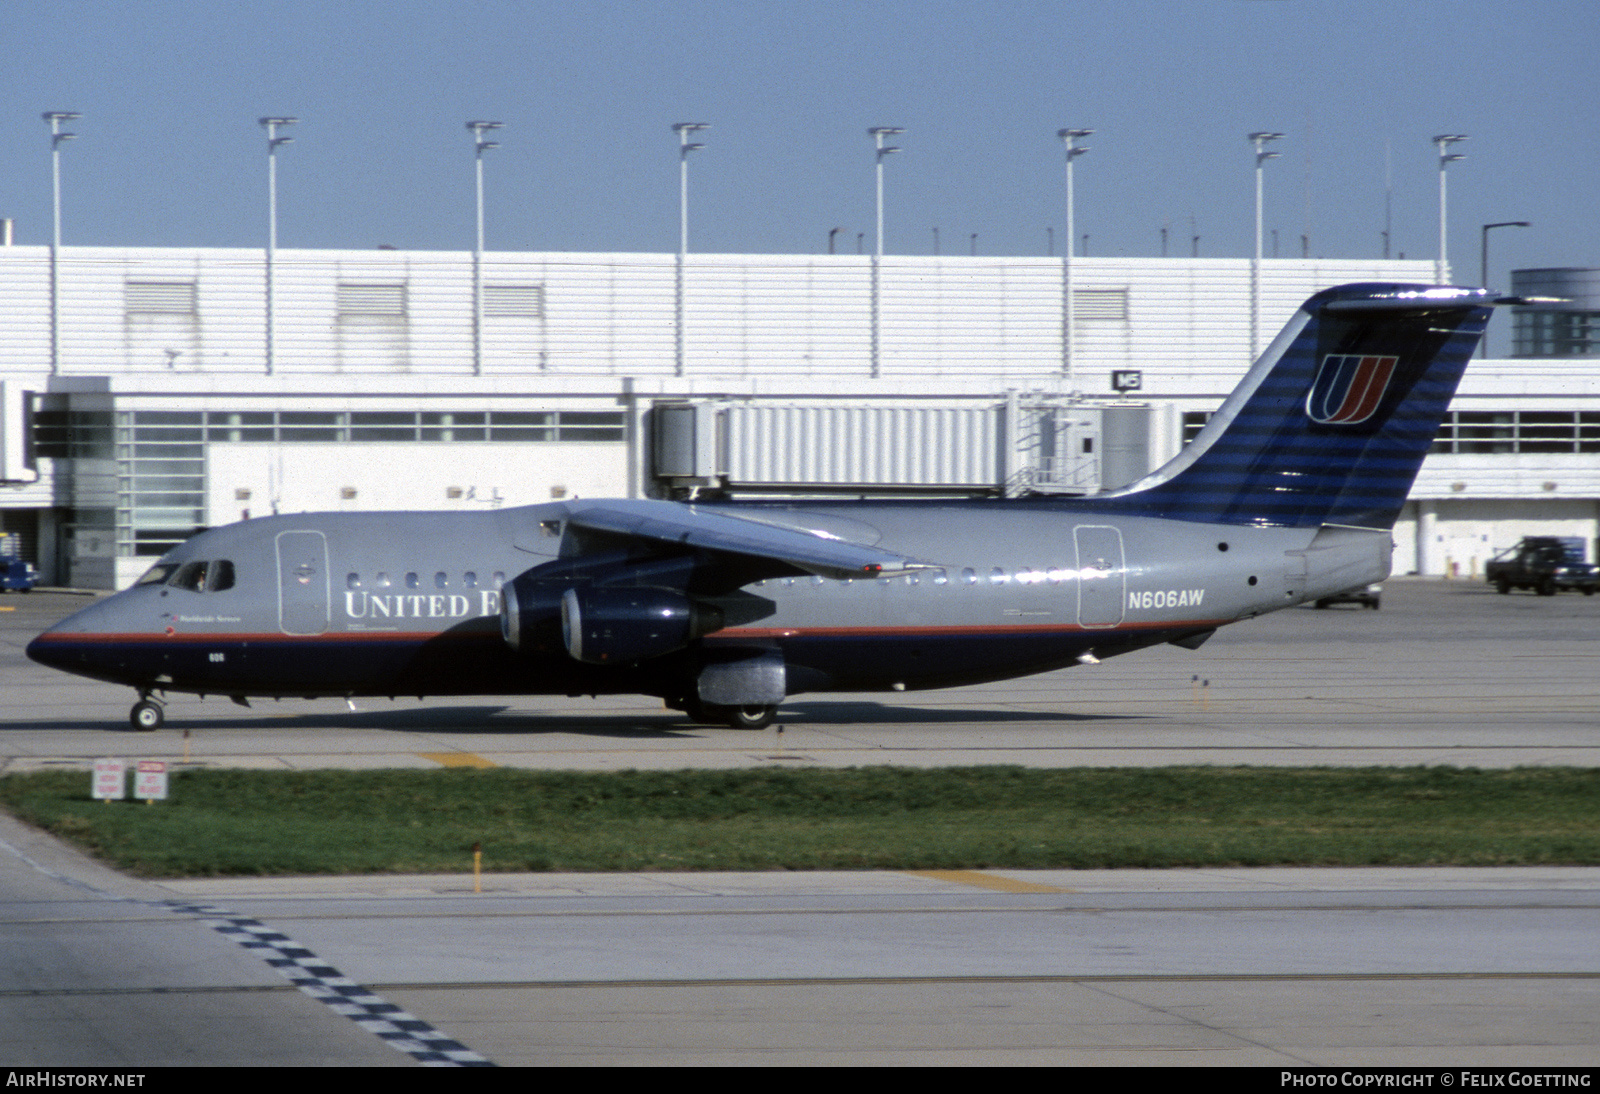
147,714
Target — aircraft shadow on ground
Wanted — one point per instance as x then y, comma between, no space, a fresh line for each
499,718
851,712
436,720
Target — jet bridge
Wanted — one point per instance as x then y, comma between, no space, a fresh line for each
1021,444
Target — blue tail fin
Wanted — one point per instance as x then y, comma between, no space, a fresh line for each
1332,422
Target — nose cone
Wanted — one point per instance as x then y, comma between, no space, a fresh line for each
42,650
79,643
57,646
50,648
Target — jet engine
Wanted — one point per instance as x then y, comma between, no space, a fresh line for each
608,625
601,624
530,614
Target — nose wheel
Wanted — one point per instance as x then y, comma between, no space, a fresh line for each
146,715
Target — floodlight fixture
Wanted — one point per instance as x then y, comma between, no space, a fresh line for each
1483,269
1446,157
684,130
878,133
1260,139
480,145
1069,139
57,139
274,141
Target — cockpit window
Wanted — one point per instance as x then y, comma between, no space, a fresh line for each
191,576
156,574
197,577
220,576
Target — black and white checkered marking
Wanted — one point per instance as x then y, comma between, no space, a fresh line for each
302,968
320,980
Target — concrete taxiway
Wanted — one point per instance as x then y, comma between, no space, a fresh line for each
1283,967
1445,673
1272,967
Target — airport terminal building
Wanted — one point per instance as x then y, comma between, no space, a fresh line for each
147,393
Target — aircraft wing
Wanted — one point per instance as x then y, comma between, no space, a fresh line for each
698,526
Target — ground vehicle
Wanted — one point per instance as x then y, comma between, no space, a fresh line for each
16,574
1368,596
1545,564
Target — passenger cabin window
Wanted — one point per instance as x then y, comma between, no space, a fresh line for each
470,579
352,581
413,581
440,581
382,580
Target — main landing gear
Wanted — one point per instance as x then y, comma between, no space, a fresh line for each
147,714
745,717
751,717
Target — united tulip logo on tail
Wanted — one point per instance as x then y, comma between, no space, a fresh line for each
1349,387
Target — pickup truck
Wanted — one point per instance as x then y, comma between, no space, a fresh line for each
1545,564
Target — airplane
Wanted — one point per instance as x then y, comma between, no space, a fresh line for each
724,609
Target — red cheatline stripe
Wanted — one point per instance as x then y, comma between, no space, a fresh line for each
936,632
730,632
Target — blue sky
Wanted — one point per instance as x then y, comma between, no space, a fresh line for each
169,152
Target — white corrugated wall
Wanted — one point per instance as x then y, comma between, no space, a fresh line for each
614,314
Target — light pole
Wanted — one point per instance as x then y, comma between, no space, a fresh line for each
272,125
480,145
1446,157
1483,269
878,133
685,146
1260,140
57,139
1069,139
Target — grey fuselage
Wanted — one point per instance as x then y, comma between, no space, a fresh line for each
410,603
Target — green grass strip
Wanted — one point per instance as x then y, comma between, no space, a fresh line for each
219,823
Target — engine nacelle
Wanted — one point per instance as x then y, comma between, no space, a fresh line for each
530,614
614,624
